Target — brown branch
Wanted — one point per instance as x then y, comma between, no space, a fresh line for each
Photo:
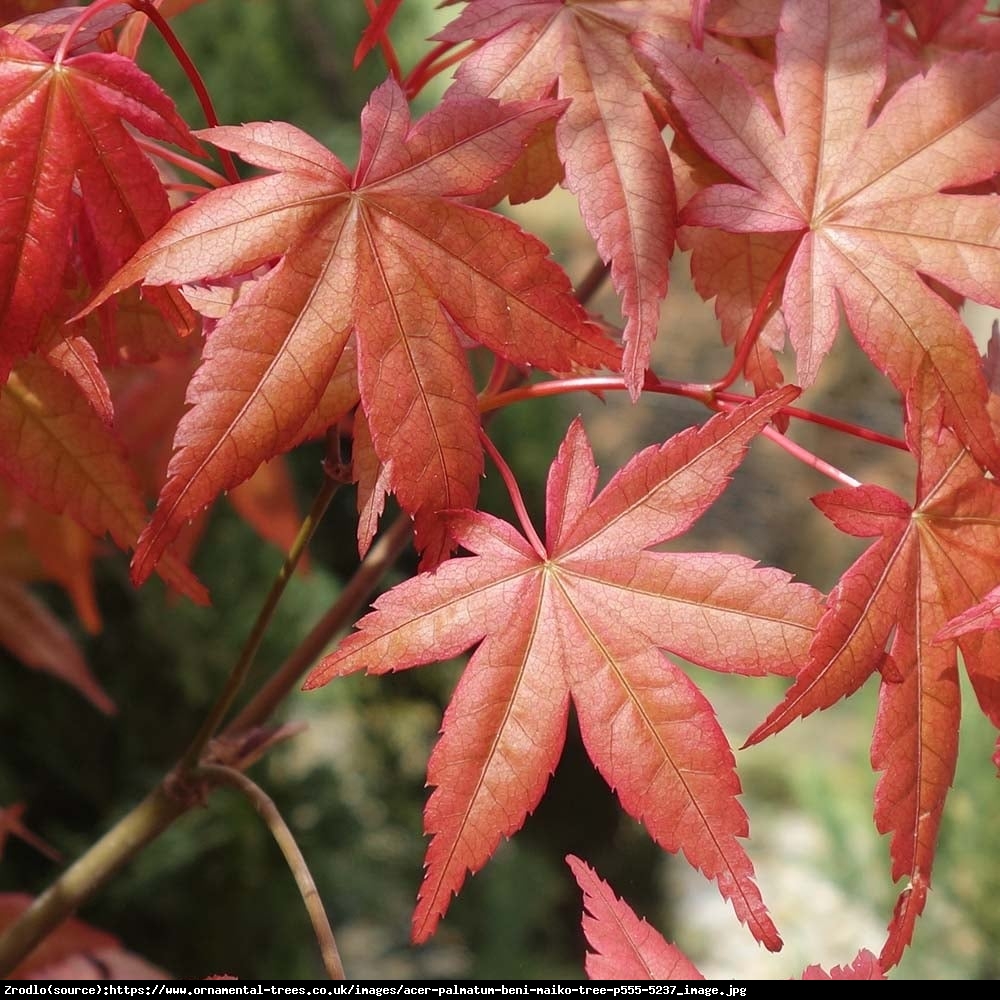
163,806
264,804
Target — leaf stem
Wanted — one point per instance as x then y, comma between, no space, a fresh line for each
797,451
200,170
690,390
591,281
515,494
855,430
702,393
191,71
427,68
757,320
264,804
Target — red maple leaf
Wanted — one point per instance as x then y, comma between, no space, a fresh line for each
626,947
390,253
30,631
931,561
608,139
64,127
858,203
584,616
962,24
57,448
38,545
11,825
864,966
74,950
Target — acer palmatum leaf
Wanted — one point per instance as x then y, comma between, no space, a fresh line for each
864,966
12,825
623,946
74,951
585,618
626,947
45,28
36,637
66,128
930,563
981,617
736,17
864,203
960,25
390,253
46,424
608,139
38,545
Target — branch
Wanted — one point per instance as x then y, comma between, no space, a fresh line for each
264,804
380,557
242,667
88,874
161,809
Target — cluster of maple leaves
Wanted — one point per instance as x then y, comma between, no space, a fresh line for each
827,157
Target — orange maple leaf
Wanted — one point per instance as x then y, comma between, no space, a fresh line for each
390,253
584,616
859,203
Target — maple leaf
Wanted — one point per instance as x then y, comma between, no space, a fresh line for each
45,23
11,825
56,448
980,617
626,947
864,966
608,139
747,20
63,127
864,203
929,563
149,402
39,640
74,951
584,616
38,545
391,253
963,24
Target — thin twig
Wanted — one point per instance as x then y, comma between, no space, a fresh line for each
515,495
240,670
381,556
162,808
591,281
264,804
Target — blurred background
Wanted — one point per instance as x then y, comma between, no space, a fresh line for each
214,896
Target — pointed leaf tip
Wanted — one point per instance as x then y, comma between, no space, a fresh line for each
622,945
